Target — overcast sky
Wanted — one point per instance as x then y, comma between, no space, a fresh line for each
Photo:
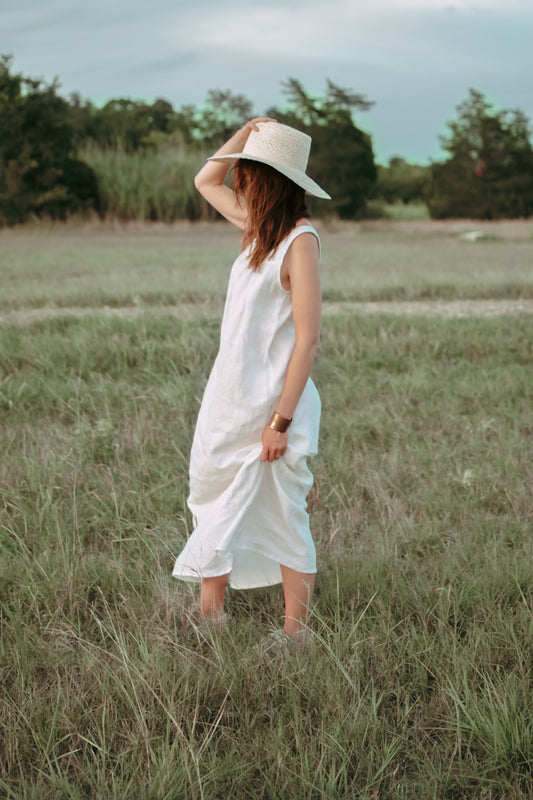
415,59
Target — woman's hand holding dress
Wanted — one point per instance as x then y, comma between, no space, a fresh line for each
274,444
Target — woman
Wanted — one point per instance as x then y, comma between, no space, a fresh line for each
248,473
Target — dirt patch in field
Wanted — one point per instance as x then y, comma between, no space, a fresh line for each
186,311
435,308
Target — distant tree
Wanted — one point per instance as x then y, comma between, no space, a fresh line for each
342,159
218,118
489,172
337,104
402,182
129,122
162,116
82,118
37,170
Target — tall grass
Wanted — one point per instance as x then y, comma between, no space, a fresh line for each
417,681
156,183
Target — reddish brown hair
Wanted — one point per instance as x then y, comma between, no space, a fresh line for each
274,204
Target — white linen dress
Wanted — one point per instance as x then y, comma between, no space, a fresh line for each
250,516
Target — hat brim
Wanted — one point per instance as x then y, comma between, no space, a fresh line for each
295,175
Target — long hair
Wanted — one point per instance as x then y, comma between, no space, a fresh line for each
274,204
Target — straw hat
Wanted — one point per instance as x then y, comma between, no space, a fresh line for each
283,148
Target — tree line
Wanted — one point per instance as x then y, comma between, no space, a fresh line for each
132,159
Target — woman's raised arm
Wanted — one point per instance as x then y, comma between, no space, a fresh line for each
210,180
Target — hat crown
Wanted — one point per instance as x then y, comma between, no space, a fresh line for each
279,143
283,148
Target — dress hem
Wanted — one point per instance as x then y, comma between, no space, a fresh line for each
240,587
195,576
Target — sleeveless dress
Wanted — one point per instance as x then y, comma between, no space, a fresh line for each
250,515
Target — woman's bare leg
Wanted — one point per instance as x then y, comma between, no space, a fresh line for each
212,596
298,590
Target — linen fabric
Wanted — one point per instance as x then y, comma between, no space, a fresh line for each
250,516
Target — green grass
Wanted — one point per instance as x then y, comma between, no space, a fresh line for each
153,183
407,211
418,681
120,265
399,211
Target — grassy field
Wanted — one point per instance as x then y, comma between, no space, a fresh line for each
129,265
417,682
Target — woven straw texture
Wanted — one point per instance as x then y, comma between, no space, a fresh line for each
283,148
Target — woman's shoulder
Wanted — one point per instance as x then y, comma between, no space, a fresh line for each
301,227
303,236
303,223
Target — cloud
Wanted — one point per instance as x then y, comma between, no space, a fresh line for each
377,31
454,5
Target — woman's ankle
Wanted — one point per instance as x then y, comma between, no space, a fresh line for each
211,611
295,630
212,597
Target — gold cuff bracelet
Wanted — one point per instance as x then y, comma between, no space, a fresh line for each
279,423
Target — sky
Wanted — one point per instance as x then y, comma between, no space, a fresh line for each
415,59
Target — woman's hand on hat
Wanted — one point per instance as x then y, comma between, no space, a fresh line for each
251,125
274,444
240,138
